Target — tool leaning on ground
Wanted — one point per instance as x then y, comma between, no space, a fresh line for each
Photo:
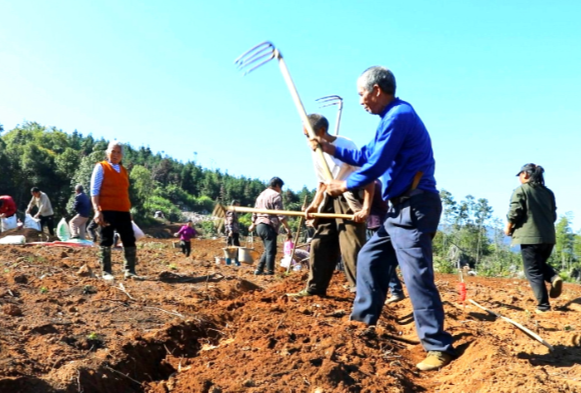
296,239
262,54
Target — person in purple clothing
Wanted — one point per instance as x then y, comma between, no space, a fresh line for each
186,233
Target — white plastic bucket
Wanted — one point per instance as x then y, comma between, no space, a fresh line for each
244,255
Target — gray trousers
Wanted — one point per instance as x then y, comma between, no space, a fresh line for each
334,238
405,237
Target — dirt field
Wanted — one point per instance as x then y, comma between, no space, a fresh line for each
194,326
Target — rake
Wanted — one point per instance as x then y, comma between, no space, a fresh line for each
262,54
330,101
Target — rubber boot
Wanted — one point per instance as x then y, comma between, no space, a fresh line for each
237,263
130,256
105,261
228,261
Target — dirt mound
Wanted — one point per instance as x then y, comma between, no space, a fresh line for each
194,326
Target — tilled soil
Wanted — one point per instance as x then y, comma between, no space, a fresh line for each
194,326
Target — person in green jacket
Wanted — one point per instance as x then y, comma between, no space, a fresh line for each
531,223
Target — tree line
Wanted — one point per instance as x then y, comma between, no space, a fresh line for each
34,155
48,158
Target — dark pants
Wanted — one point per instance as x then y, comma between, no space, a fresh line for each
47,221
334,238
537,271
404,238
233,240
395,287
120,222
268,236
186,247
92,229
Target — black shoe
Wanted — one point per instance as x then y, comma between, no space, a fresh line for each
269,273
258,272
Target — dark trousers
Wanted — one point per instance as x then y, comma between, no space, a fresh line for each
120,222
404,238
92,229
186,247
233,240
395,287
334,238
537,271
47,221
268,236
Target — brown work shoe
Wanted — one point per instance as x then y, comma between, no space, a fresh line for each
303,293
434,361
556,287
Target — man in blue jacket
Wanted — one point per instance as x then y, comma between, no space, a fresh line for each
401,156
82,207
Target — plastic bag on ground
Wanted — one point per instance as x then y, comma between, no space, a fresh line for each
62,230
15,239
137,232
31,222
8,223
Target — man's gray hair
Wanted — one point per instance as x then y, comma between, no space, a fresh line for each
113,144
79,188
318,122
380,76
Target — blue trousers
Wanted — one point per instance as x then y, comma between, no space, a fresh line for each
404,238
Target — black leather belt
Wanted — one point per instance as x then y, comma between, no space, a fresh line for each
405,196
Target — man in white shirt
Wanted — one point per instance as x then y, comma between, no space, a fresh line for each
45,212
334,237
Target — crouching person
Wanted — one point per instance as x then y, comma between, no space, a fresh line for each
110,199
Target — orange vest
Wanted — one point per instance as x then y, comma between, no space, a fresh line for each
114,193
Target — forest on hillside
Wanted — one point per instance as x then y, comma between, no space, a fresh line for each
55,161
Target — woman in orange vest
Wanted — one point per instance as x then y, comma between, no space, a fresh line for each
110,199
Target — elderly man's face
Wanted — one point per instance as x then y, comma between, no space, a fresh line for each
115,155
370,99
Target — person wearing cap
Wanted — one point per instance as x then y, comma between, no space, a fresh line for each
232,227
186,233
531,223
82,207
267,225
45,212
401,155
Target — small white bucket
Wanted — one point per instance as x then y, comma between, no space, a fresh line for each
245,256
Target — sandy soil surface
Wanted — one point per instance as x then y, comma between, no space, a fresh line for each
194,326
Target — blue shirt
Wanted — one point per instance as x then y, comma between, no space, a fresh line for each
82,205
401,148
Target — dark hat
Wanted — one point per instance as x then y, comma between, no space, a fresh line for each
526,168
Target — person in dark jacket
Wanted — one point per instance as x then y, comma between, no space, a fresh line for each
531,223
82,207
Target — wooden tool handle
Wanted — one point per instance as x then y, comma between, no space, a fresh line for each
302,113
291,213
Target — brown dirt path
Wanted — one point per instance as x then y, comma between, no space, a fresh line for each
194,326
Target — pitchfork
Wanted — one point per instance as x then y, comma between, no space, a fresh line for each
333,100
262,54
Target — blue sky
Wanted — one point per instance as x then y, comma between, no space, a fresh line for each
495,82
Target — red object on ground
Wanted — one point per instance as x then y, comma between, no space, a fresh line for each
462,290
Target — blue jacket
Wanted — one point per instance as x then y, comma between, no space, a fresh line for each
401,148
82,205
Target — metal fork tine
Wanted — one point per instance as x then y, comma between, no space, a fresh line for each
254,56
260,47
256,59
271,56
